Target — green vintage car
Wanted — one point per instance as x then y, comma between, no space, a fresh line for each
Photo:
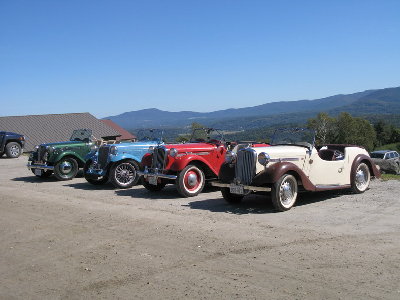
63,158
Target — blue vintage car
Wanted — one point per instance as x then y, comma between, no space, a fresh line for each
119,163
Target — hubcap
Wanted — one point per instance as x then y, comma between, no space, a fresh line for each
65,167
362,178
192,180
125,173
14,150
287,192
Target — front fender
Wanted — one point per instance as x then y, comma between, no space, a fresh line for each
179,163
271,174
61,155
124,156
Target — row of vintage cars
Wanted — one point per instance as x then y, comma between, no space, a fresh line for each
289,164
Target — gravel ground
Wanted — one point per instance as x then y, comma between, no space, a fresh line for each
72,240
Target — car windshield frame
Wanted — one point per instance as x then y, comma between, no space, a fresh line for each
150,135
206,135
81,135
303,137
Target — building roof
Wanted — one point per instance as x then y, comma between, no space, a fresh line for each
40,129
125,135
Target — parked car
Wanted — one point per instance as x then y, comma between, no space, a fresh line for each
119,163
387,160
12,144
293,163
63,158
187,165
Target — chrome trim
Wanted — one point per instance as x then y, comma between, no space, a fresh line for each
284,159
245,169
39,166
155,173
246,187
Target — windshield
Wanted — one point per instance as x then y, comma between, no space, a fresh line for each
206,135
377,155
81,135
294,136
150,135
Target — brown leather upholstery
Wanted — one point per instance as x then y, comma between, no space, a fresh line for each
326,154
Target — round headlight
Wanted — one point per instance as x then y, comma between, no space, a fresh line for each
36,147
151,149
230,157
173,152
263,158
49,149
114,150
93,147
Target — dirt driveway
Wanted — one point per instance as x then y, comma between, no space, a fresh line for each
72,240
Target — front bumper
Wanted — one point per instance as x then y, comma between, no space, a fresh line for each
32,165
244,187
156,173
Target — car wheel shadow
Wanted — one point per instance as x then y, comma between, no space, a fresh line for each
35,179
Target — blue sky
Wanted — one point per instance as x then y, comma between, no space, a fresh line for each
109,57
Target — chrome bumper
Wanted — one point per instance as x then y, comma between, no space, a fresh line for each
39,166
246,187
155,173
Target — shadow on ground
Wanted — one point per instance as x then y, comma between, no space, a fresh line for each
35,179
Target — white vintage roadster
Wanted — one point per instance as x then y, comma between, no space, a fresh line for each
293,163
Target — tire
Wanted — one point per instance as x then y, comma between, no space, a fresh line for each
91,179
124,174
231,198
154,188
284,192
13,150
361,179
45,174
190,181
66,168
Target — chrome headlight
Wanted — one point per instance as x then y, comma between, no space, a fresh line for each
263,158
230,157
173,152
94,147
114,150
36,148
151,149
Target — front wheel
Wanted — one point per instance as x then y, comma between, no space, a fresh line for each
124,174
360,179
66,168
190,181
13,150
229,197
91,179
284,193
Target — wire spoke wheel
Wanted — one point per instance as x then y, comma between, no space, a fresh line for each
124,174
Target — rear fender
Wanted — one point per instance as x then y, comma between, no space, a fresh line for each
362,158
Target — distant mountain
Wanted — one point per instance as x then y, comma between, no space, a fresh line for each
383,101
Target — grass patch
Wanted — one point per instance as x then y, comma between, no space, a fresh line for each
390,177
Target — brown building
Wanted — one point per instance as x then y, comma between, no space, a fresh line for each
125,135
39,129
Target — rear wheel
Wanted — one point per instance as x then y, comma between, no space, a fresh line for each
361,179
13,150
190,181
91,179
124,174
229,197
66,168
284,193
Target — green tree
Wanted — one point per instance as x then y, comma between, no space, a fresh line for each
325,128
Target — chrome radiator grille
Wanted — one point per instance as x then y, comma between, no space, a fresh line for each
41,153
245,166
159,158
103,156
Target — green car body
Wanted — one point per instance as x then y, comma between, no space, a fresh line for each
62,158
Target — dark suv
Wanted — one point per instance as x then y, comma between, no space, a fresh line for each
11,144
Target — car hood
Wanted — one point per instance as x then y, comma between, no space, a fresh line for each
63,144
282,151
133,145
192,147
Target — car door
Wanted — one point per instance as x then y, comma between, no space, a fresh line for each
327,172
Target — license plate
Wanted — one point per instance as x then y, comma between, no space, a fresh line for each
236,189
153,180
38,172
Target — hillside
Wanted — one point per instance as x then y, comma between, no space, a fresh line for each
368,103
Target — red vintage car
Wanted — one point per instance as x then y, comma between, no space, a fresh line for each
187,165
